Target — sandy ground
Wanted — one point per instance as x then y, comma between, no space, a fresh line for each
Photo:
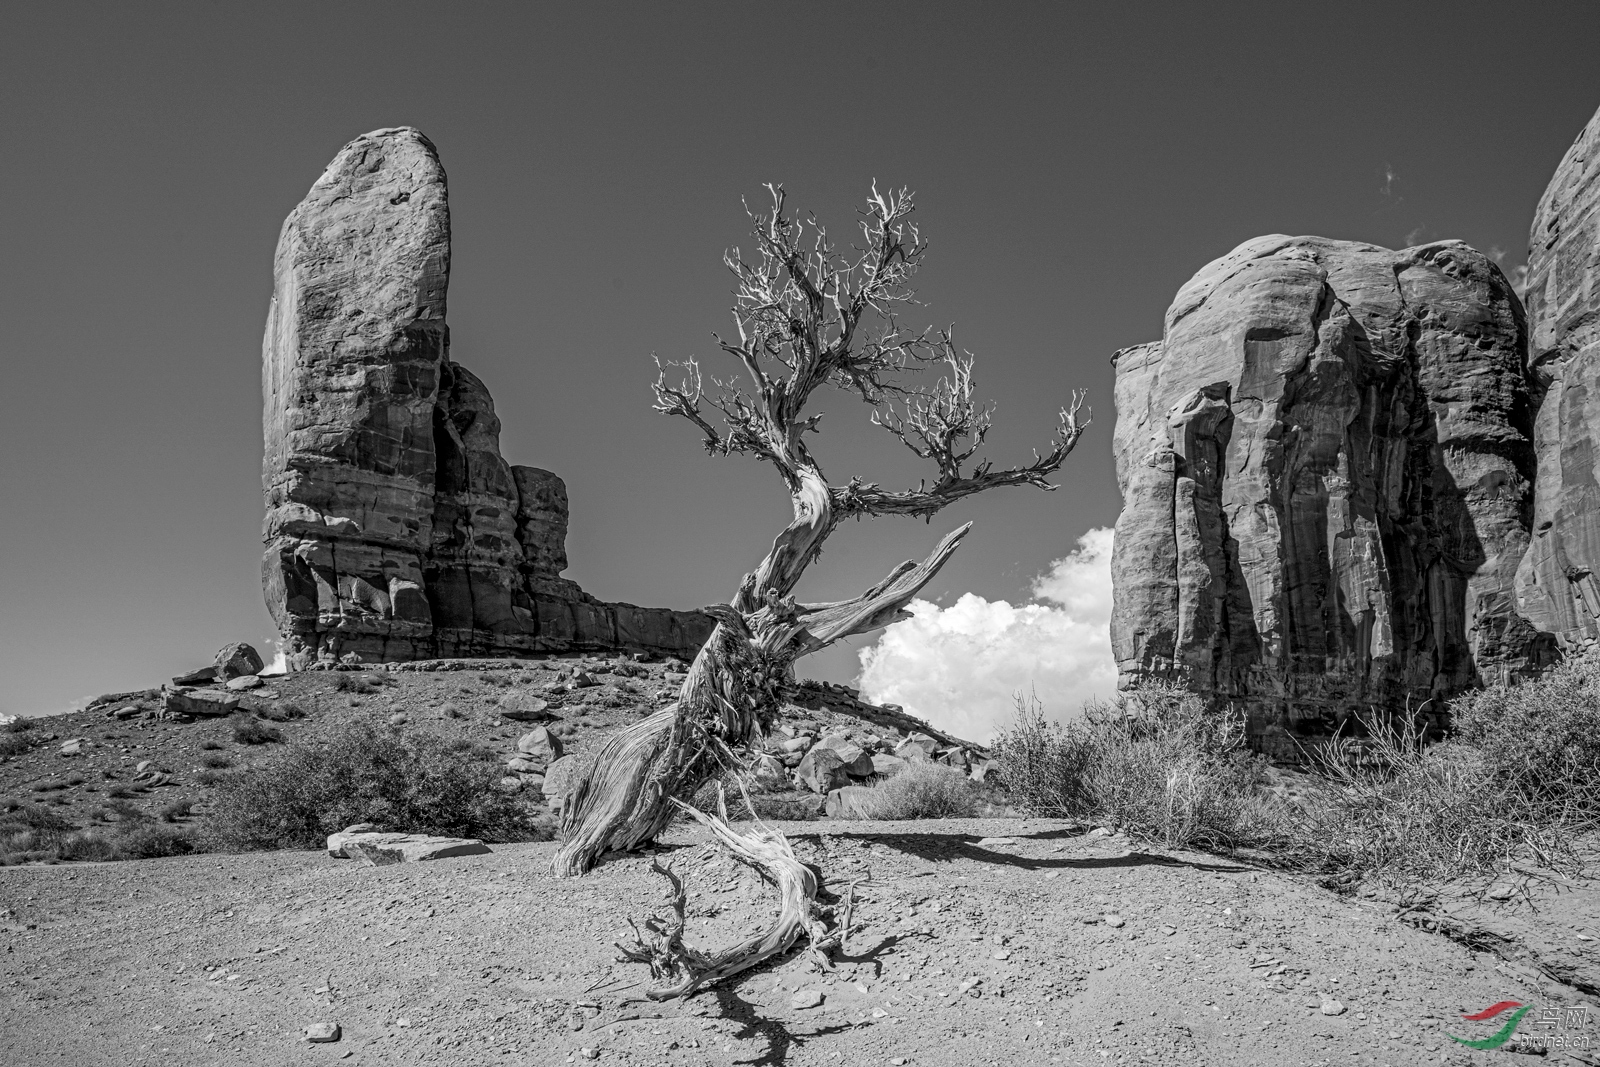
488,960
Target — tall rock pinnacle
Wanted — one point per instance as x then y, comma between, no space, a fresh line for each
394,529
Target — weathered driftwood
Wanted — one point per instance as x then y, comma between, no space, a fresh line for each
802,309
684,969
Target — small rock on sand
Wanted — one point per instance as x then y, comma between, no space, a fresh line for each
322,1032
806,998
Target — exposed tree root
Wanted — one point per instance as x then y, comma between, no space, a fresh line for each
686,969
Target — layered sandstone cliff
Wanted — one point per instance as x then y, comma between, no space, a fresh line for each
1327,466
1557,584
394,528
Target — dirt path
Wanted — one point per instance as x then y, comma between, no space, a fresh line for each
487,960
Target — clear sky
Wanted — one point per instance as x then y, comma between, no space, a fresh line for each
1074,164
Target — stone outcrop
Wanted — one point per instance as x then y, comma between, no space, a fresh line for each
1558,585
1327,466
394,528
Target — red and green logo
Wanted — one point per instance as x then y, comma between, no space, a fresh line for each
1501,1036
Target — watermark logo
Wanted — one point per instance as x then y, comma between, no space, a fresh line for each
1501,1036
1559,1027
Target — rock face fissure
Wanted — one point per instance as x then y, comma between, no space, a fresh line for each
1327,467
1557,583
394,530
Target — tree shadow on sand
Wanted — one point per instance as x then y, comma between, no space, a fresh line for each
937,848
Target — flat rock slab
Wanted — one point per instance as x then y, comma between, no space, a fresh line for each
201,701
381,849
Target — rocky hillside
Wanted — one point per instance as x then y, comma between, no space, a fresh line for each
164,750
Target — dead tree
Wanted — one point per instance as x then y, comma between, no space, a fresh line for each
808,314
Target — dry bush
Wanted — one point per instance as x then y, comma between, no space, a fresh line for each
1518,779
923,791
13,744
177,809
285,712
247,731
1158,764
216,761
415,783
1539,742
155,839
86,845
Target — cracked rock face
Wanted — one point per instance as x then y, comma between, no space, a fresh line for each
1327,467
1557,584
394,529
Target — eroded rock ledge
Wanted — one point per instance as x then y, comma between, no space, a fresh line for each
394,529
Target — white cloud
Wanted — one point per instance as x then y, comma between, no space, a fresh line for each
960,667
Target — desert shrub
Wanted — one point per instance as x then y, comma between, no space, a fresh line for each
288,711
1517,779
216,761
151,840
923,791
18,817
1158,764
411,782
208,777
14,744
247,731
125,811
1539,742
20,725
86,845
178,809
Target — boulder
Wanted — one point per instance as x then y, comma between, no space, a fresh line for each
887,766
1558,583
769,773
822,771
526,708
394,528
236,661
243,682
203,676
560,776
851,802
1327,469
918,748
857,763
540,746
200,701
796,744
385,848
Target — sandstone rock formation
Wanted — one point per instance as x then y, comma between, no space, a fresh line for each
1557,584
394,529
1327,467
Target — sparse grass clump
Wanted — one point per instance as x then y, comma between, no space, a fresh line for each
923,791
1158,764
408,782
